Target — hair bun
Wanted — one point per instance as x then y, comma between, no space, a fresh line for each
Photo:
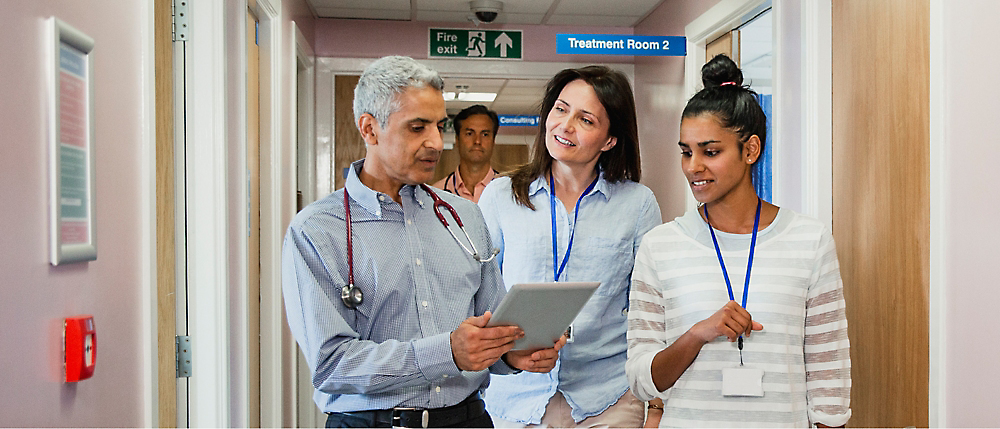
721,69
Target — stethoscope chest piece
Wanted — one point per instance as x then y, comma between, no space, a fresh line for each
352,296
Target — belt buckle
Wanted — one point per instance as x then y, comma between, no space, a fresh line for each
397,421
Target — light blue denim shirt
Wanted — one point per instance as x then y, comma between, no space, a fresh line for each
613,217
418,285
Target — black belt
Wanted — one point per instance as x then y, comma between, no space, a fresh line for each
470,408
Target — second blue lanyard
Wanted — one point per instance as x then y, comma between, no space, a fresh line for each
557,269
753,242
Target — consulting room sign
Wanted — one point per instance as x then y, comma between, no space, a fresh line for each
475,43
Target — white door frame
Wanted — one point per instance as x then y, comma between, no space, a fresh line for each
216,221
208,257
274,213
802,93
311,160
148,221
938,341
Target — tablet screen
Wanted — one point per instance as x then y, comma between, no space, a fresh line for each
542,310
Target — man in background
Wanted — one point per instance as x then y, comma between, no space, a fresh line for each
475,134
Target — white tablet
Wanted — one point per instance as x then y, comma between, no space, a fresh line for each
542,310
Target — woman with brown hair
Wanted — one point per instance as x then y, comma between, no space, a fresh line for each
579,205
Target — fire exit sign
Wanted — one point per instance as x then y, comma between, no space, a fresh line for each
475,43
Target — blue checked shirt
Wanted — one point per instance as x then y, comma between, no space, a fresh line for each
612,220
418,284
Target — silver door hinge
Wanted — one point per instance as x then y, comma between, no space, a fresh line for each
180,20
183,354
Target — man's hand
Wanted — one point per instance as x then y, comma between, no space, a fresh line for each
542,360
475,347
730,321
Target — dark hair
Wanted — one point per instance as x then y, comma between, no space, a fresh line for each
621,162
477,109
734,105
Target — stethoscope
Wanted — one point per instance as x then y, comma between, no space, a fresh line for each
352,295
454,182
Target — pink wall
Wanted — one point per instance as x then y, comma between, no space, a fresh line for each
660,98
361,38
37,296
970,212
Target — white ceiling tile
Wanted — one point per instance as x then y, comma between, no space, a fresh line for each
452,5
592,20
509,6
445,16
633,8
402,15
523,18
463,17
370,4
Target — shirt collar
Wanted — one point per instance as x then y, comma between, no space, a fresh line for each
542,182
459,183
361,194
368,198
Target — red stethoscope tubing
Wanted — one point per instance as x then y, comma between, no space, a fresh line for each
351,295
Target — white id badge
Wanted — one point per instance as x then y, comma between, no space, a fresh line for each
742,381
569,334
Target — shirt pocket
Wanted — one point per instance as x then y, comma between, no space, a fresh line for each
527,259
608,260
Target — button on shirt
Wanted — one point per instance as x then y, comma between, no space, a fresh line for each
418,285
613,217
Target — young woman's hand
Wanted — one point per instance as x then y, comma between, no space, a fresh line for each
730,321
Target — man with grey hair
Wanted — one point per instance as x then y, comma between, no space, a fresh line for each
388,302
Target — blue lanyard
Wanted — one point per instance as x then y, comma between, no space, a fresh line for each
556,272
753,242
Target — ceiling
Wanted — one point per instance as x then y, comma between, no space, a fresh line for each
601,13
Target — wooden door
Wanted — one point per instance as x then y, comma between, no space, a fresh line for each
348,145
505,158
165,207
881,183
724,45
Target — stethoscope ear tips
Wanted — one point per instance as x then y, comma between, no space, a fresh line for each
480,259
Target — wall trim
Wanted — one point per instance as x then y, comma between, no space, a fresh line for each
938,324
208,258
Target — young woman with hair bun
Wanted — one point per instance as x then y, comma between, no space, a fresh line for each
738,315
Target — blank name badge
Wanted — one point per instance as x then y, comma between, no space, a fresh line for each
743,381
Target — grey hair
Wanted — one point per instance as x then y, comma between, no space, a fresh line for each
386,78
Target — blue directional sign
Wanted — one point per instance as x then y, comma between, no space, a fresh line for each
519,120
621,44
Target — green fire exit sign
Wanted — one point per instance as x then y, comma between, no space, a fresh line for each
475,43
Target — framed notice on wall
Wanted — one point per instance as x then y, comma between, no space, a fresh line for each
71,144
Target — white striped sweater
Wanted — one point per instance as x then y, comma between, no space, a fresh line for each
795,292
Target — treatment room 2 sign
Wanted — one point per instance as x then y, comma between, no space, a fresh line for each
621,44
475,43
